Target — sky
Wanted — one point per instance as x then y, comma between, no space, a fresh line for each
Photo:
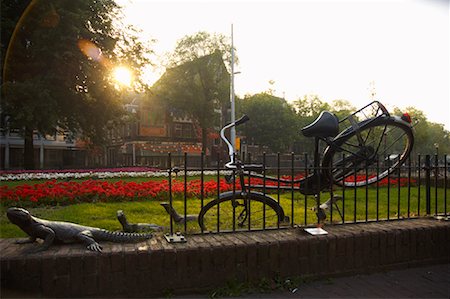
335,49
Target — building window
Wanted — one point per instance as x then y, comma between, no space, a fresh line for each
152,117
178,130
187,130
182,130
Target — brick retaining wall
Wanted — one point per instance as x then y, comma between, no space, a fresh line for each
207,261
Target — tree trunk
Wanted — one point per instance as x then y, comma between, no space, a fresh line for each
28,154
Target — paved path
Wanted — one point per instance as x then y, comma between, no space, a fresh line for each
419,282
423,282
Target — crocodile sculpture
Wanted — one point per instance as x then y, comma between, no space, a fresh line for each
136,227
65,232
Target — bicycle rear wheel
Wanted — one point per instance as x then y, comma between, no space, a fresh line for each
251,211
369,154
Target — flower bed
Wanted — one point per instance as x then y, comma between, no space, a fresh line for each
102,173
70,192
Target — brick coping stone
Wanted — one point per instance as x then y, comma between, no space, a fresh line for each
156,267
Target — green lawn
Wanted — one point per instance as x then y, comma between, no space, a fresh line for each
150,211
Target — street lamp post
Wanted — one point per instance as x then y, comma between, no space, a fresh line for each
233,109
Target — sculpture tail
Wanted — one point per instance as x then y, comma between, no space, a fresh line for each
171,211
120,237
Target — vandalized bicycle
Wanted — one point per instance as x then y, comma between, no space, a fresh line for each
371,137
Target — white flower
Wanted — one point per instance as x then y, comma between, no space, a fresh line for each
100,174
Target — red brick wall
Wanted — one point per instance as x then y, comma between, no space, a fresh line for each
207,261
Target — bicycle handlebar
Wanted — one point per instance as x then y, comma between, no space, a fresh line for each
242,120
231,152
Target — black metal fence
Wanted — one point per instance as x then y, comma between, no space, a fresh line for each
418,188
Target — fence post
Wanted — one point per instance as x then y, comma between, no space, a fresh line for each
169,159
171,237
428,183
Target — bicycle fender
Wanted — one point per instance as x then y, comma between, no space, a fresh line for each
398,119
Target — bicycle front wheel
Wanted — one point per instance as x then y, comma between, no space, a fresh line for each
369,154
238,211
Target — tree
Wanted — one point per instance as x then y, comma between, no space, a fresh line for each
192,47
272,122
197,81
196,88
58,64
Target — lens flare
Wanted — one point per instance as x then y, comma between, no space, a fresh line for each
90,50
123,75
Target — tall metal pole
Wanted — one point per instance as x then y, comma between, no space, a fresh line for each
233,111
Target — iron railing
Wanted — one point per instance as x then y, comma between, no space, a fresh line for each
419,188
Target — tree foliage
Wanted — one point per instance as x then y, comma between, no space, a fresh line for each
197,83
273,121
58,65
200,44
267,127
197,88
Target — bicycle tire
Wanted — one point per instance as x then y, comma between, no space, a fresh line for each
394,148
208,219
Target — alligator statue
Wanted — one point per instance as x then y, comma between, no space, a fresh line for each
136,227
65,232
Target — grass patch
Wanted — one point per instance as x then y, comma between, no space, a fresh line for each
358,205
102,215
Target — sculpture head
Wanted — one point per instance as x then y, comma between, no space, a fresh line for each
18,216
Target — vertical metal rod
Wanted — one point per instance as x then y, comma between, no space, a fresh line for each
398,190
428,184
246,201
378,190
419,179
202,182
343,193
264,190
355,195
292,188
218,192
388,189
232,95
278,183
436,181
330,169
367,193
234,194
445,184
185,191
170,192
317,174
409,187
306,196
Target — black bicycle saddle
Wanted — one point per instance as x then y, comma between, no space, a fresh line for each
326,125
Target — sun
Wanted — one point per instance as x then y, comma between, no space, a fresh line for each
123,75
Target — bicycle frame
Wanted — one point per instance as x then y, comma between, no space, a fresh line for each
317,181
